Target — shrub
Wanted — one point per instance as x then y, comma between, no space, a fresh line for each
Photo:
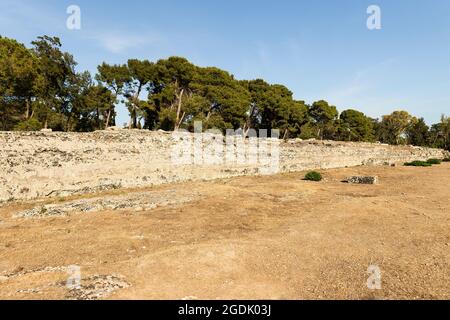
418,164
29,125
434,161
446,160
313,176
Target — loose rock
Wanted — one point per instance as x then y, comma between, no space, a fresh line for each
363,180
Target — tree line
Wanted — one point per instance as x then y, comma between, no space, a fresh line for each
40,88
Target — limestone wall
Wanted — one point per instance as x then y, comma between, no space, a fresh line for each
38,165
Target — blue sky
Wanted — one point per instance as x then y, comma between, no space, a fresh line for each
319,49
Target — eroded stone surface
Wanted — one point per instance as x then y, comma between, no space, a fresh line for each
97,287
51,164
136,202
91,287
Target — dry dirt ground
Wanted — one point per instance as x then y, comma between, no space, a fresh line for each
272,237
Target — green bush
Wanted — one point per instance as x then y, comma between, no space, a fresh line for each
313,176
418,164
446,160
29,125
434,161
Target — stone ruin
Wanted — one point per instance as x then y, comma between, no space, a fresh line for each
54,164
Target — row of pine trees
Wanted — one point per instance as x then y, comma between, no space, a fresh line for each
40,88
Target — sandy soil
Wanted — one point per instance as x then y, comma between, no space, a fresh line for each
273,237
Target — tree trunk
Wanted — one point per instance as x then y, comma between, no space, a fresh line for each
248,124
180,98
178,125
27,112
245,130
135,106
135,119
98,119
68,122
107,119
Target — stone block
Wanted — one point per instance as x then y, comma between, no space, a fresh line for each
363,180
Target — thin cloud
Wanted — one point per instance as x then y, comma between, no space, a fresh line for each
118,42
361,84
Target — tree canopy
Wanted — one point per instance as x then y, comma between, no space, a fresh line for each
41,88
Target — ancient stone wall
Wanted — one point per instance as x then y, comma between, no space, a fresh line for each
39,165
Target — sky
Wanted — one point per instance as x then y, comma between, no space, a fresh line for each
319,49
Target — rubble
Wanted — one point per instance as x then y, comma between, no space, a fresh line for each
136,202
90,288
97,287
363,180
